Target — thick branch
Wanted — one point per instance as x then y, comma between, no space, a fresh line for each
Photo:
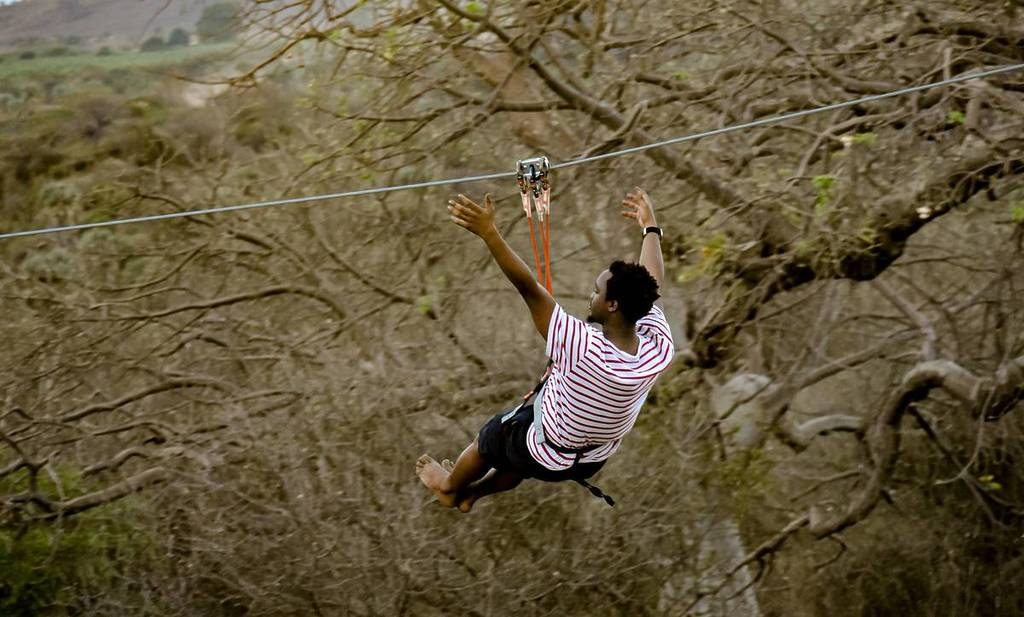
883,437
108,495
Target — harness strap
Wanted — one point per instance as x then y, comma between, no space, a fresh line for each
538,427
596,492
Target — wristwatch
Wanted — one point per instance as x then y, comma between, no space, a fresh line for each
648,230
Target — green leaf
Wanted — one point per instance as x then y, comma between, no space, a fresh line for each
691,273
425,305
1017,212
681,75
712,253
868,139
475,8
956,117
823,183
868,236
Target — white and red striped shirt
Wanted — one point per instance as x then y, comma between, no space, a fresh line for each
596,390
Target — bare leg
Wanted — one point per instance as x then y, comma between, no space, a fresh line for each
445,484
494,482
469,468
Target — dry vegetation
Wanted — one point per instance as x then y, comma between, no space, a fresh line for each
219,415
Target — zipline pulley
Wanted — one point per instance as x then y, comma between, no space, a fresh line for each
533,178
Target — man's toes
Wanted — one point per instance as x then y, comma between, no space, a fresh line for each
448,465
423,461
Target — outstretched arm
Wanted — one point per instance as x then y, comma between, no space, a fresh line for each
480,220
639,207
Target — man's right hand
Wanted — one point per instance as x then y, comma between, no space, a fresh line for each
478,219
638,206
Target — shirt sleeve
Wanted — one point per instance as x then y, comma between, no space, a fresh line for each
568,338
655,325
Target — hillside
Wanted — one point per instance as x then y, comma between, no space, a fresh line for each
127,21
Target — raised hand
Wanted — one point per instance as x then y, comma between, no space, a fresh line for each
467,213
638,206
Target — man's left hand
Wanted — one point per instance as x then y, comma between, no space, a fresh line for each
467,213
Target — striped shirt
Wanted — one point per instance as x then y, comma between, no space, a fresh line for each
596,390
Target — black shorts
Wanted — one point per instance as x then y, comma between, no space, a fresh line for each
503,446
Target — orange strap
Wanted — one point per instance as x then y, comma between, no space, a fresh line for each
533,242
546,234
537,189
544,230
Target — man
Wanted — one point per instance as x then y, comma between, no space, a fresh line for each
601,371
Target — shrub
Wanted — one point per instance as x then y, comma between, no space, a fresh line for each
42,564
154,43
218,22
105,51
27,55
178,38
94,113
9,100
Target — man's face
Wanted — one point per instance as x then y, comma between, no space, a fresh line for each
598,303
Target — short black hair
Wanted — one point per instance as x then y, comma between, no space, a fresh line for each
633,287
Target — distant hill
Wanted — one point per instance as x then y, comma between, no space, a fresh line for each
101,21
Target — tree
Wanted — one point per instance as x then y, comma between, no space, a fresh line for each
177,38
154,43
850,353
219,22
777,213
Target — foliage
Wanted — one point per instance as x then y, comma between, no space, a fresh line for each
823,189
56,52
153,43
71,65
45,565
219,22
285,366
178,37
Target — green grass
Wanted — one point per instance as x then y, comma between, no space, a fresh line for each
11,65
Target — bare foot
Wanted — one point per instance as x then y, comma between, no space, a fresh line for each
433,475
466,501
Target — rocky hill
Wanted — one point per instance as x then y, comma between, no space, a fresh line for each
106,21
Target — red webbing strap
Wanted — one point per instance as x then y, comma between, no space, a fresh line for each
546,235
537,189
533,242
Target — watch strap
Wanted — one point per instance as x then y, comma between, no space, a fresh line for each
656,230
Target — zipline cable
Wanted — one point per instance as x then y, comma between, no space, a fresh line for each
495,176
791,116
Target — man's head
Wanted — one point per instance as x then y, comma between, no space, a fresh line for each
625,289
